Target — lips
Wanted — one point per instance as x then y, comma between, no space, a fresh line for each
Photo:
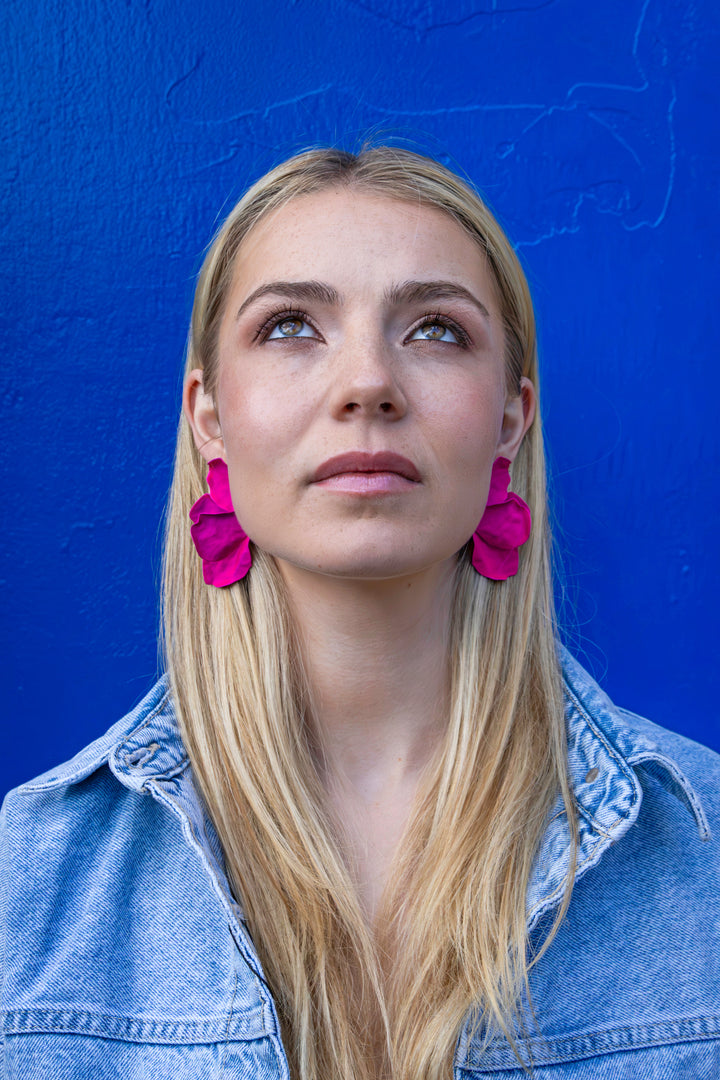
357,462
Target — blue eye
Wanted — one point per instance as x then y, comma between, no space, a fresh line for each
434,331
291,327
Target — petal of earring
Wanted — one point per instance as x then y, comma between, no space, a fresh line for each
219,539
503,528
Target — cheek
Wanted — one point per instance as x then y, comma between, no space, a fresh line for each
261,426
256,418
471,419
466,426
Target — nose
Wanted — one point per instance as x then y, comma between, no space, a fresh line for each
367,381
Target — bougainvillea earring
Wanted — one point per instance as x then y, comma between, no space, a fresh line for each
503,528
219,539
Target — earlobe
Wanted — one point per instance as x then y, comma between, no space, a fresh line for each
518,416
201,415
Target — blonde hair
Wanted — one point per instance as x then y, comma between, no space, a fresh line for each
451,936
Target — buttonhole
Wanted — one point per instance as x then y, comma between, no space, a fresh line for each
139,757
592,776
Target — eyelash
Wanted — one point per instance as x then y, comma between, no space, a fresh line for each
274,318
438,319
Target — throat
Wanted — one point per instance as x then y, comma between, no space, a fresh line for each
372,823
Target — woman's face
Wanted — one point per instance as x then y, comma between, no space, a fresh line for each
361,395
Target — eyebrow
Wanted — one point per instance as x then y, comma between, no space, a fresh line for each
409,292
302,291
412,292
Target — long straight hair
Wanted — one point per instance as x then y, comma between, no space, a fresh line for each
451,935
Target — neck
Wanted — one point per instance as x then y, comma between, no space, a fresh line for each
376,655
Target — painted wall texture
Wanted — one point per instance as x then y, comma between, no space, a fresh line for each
130,128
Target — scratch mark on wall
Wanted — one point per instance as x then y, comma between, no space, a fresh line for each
671,173
258,113
426,18
603,146
186,75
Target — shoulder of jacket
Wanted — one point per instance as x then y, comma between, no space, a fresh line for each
689,770
615,762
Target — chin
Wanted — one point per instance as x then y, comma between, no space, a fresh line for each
366,566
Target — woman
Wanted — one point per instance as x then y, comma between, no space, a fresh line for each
349,835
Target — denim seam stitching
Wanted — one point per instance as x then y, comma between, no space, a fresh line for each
53,1015
220,885
592,822
229,1021
280,1056
544,900
170,773
555,1046
682,781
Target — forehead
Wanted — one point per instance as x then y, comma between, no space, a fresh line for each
354,235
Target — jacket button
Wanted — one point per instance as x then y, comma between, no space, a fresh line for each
592,775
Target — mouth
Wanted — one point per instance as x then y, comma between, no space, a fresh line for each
363,473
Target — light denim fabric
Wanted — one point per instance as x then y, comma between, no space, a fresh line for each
125,956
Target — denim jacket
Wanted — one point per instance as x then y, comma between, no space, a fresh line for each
126,957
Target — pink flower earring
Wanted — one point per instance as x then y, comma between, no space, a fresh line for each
503,528
220,541
224,546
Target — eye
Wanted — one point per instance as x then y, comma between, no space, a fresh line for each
435,330
291,326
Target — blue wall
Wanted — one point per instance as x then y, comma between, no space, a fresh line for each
591,129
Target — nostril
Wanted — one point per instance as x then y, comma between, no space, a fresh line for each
354,406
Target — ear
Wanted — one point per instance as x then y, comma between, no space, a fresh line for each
201,415
517,418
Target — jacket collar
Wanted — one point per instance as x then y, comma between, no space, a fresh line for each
606,746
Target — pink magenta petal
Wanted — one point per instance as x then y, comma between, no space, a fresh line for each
205,505
219,483
506,524
230,569
216,536
499,481
503,528
219,539
492,562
